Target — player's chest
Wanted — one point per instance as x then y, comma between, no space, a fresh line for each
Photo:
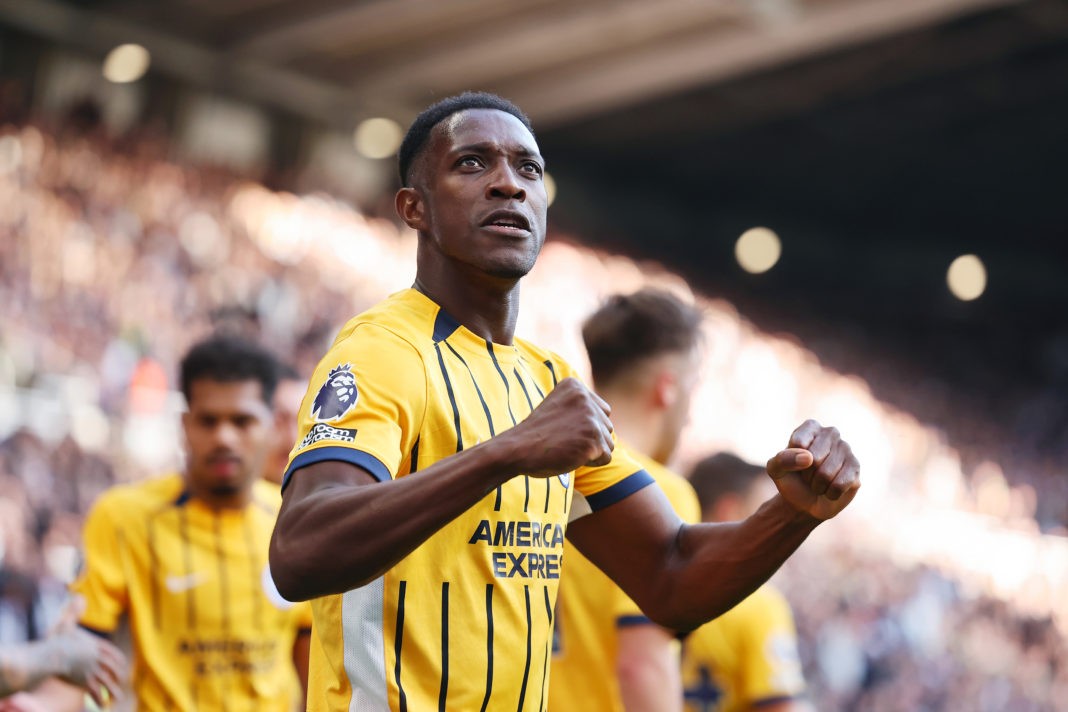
205,573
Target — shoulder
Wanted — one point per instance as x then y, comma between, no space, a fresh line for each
403,318
267,496
676,488
767,596
764,609
141,496
125,510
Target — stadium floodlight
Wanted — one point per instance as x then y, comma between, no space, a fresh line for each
757,250
126,63
378,137
966,278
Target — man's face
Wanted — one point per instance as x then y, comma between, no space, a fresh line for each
484,202
285,406
227,428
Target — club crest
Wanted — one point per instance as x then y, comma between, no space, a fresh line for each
337,396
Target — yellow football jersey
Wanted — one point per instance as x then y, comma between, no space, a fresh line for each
464,622
209,629
592,608
746,657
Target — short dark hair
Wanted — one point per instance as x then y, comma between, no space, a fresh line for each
721,474
632,327
419,131
288,372
228,358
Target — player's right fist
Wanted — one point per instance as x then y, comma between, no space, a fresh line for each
569,429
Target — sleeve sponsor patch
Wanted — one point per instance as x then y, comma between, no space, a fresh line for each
322,432
337,396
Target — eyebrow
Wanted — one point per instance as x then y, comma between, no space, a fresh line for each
489,147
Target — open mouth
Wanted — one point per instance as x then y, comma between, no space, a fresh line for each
507,222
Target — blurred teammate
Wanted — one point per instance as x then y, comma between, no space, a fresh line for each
747,658
285,405
440,460
643,351
185,556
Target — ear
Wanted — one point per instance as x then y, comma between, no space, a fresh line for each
411,209
665,389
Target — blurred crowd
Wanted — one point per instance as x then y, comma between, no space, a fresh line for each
114,258
876,636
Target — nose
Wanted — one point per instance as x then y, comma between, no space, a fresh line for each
226,435
504,184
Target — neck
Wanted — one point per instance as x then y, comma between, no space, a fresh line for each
487,306
215,500
637,424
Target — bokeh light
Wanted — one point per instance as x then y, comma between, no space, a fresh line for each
126,63
378,137
966,278
757,250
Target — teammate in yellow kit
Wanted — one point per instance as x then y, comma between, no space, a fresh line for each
185,556
644,356
440,459
747,658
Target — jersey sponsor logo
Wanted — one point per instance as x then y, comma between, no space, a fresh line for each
181,584
230,656
336,396
322,431
522,533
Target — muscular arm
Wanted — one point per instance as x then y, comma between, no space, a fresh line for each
338,528
647,667
683,575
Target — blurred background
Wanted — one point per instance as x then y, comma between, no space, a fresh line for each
866,197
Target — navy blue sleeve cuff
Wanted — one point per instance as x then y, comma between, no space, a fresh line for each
620,490
628,621
361,459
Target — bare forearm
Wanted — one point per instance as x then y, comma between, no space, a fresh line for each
647,667
25,666
340,537
716,566
53,695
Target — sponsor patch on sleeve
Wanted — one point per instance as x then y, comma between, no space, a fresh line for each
322,431
337,396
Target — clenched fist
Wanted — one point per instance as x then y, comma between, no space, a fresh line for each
569,429
817,473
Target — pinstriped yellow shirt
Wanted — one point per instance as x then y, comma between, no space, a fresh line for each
465,621
209,630
592,609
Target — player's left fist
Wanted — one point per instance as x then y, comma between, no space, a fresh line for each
817,473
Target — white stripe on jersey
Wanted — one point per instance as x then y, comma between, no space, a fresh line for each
365,665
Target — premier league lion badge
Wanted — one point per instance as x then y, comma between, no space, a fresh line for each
337,396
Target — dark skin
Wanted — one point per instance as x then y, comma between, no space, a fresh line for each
478,203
